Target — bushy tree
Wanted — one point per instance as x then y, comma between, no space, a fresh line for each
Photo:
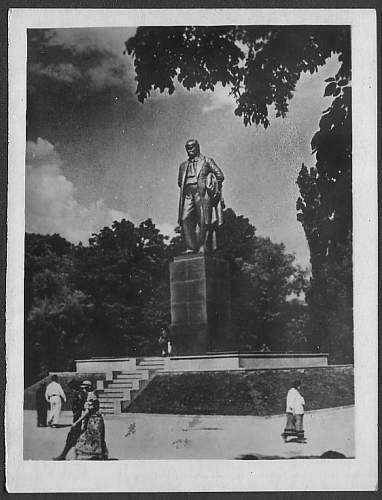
264,279
325,211
56,313
123,271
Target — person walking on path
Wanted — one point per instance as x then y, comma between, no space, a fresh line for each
41,406
295,405
79,405
54,395
91,444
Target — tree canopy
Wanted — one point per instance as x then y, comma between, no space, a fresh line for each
113,296
261,65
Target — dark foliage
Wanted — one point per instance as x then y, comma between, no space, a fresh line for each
264,277
325,211
260,392
124,270
260,64
56,318
112,297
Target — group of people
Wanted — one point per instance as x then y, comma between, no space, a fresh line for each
87,432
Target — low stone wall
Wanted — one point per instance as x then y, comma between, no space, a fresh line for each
105,365
245,361
207,362
250,392
63,378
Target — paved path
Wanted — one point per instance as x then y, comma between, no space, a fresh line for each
146,436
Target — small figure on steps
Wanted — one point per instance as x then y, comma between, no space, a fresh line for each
163,341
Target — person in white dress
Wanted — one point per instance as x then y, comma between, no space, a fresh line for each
54,395
295,405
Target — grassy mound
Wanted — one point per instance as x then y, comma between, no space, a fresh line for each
257,392
63,378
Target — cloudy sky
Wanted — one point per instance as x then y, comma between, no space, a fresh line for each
95,154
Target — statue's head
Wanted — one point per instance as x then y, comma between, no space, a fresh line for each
192,148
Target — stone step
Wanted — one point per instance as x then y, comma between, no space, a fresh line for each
113,392
121,387
151,358
110,398
150,362
110,401
150,370
123,384
107,406
132,375
125,381
131,381
127,384
152,367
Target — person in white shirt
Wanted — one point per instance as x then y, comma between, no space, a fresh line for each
54,394
295,405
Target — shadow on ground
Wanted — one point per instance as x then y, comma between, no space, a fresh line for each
327,454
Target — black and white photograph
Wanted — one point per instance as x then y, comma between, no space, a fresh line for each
192,250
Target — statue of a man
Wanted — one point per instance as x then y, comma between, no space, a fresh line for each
200,181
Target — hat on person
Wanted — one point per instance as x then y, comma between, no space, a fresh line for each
86,383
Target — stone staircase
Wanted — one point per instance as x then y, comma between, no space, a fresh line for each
125,385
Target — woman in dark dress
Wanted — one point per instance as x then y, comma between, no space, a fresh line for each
91,443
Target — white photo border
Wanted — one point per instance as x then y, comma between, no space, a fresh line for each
205,475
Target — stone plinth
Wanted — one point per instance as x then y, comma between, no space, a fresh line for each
245,361
200,304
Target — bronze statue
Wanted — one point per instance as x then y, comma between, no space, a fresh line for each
200,204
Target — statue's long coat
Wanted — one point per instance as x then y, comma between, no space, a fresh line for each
203,167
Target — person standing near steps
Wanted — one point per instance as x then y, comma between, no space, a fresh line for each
54,395
41,406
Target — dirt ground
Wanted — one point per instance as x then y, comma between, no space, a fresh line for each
137,436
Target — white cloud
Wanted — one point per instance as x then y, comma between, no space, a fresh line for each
112,67
219,99
92,57
166,229
50,199
85,40
64,72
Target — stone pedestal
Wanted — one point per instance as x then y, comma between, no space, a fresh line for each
200,304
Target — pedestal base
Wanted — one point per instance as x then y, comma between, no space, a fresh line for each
245,361
200,304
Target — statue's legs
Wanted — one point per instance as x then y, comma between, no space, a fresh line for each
206,230
197,212
189,233
191,208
